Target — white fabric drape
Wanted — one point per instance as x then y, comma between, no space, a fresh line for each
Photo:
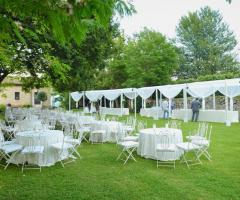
111,95
231,91
200,90
94,95
145,93
130,95
76,96
170,91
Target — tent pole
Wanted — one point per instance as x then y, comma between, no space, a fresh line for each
121,104
135,105
231,103
214,101
203,104
160,100
69,101
185,105
157,101
228,122
169,107
83,100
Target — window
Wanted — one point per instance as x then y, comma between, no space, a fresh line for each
36,101
17,95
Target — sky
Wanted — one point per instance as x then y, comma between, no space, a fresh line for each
164,15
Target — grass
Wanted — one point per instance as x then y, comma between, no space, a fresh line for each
99,176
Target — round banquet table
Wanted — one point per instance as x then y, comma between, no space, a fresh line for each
147,143
44,138
111,128
29,124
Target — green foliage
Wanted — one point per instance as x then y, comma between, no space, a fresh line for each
42,96
2,109
147,59
27,106
29,27
220,76
206,44
86,60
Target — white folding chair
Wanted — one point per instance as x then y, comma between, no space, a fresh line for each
200,133
85,130
174,124
127,147
98,135
63,148
31,150
164,147
204,144
188,147
76,142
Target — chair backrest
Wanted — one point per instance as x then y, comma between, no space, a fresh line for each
164,141
209,134
1,136
202,129
141,125
174,124
120,134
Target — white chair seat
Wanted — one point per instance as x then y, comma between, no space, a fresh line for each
203,142
128,144
128,128
86,129
72,141
61,145
8,142
99,131
195,137
171,148
11,148
131,138
187,146
33,149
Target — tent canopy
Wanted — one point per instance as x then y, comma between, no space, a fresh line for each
228,87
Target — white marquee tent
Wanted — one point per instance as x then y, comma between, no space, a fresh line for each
230,88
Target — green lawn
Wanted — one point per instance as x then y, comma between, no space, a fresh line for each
99,176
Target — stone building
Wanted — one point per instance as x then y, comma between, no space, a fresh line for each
11,92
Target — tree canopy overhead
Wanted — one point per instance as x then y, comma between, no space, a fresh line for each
28,28
206,43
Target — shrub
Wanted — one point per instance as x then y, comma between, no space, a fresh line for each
42,96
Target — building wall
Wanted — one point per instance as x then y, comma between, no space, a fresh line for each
7,95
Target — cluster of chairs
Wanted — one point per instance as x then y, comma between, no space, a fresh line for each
197,142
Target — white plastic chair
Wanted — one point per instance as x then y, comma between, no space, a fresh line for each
31,150
8,152
200,133
127,147
76,142
62,148
204,144
164,146
98,135
188,147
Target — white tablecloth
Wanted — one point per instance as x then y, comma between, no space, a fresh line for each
44,138
29,124
111,128
114,111
207,115
155,113
147,143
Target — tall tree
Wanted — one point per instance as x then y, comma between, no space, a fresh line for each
147,59
206,43
26,26
88,59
